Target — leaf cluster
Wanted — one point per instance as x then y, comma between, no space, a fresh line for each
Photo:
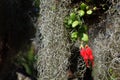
75,22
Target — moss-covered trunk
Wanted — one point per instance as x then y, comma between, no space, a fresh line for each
52,55
106,45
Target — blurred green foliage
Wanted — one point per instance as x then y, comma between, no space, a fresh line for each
37,3
27,61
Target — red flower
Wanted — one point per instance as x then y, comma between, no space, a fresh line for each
90,55
84,55
87,55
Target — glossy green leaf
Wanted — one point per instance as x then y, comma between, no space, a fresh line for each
83,6
84,37
81,13
70,22
74,35
89,12
72,16
75,23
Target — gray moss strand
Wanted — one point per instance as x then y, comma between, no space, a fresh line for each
106,46
52,54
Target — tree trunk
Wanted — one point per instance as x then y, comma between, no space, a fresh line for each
105,41
53,52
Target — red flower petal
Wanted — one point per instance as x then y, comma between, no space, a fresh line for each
82,52
91,58
90,55
84,55
88,50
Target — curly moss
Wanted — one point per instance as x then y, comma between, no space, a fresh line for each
105,42
54,46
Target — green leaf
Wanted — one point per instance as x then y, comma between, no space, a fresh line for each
75,23
81,13
27,68
70,22
89,12
94,8
84,37
30,55
87,7
72,16
75,9
83,6
74,35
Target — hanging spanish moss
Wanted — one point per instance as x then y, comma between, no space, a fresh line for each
105,38
54,47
